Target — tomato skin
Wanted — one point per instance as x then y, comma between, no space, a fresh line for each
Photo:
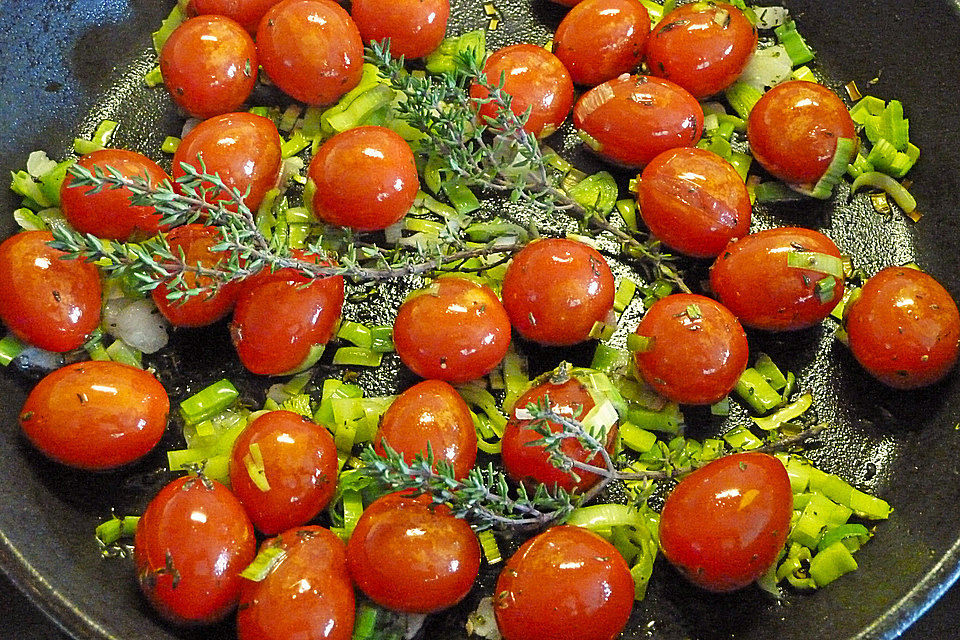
314,565
752,279
415,27
430,412
600,39
747,500
566,582
409,555
246,12
199,529
903,328
51,303
694,201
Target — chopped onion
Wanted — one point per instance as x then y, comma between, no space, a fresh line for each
35,359
482,622
288,169
38,164
188,126
413,622
771,17
767,68
142,327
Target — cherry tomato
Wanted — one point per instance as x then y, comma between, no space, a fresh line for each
632,119
903,328
96,415
702,46
307,594
191,544
311,49
366,178
746,501
536,80
694,201
430,413
556,289
109,213
455,330
753,278
245,12
793,130
599,40
414,27
410,555
697,349
566,582
45,300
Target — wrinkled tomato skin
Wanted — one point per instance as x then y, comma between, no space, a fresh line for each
632,119
793,130
746,501
96,415
246,12
311,49
308,594
109,213
698,349
409,555
566,582
694,201
456,330
430,413
752,279
191,544
300,465
536,80
414,27
599,40
51,303
903,328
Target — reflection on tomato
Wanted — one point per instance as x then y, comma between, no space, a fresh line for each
246,12
414,27
600,39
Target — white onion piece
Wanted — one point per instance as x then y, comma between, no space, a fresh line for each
37,359
482,622
290,167
413,622
767,68
188,126
111,313
142,327
38,163
771,17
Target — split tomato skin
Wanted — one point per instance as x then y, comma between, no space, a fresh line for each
246,12
415,27
599,40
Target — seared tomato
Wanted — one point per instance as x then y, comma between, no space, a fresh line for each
246,12
600,39
414,27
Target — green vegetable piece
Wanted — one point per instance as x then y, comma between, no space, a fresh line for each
754,389
597,192
742,97
269,557
209,402
831,563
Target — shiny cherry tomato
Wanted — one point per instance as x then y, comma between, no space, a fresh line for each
556,289
308,594
600,39
49,302
702,46
724,524
566,582
300,468
793,130
96,415
903,328
414,27
109,213
366,178
694,201
311,49
455,330
536,80
410,555
191,544
697,349
632,119
754,279
245,12
430,413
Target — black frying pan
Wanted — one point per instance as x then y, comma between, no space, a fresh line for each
65,65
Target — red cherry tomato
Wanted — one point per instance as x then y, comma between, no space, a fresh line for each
600,39
702,46
556,289
697,349
245,12
903,328
430,413
191,544
307,594
631,119
410,555
366,178
49,302
96,415
536,80
414,27
311,49
566,582
694,201
109,213
724,524
455,330
793,130
753,278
